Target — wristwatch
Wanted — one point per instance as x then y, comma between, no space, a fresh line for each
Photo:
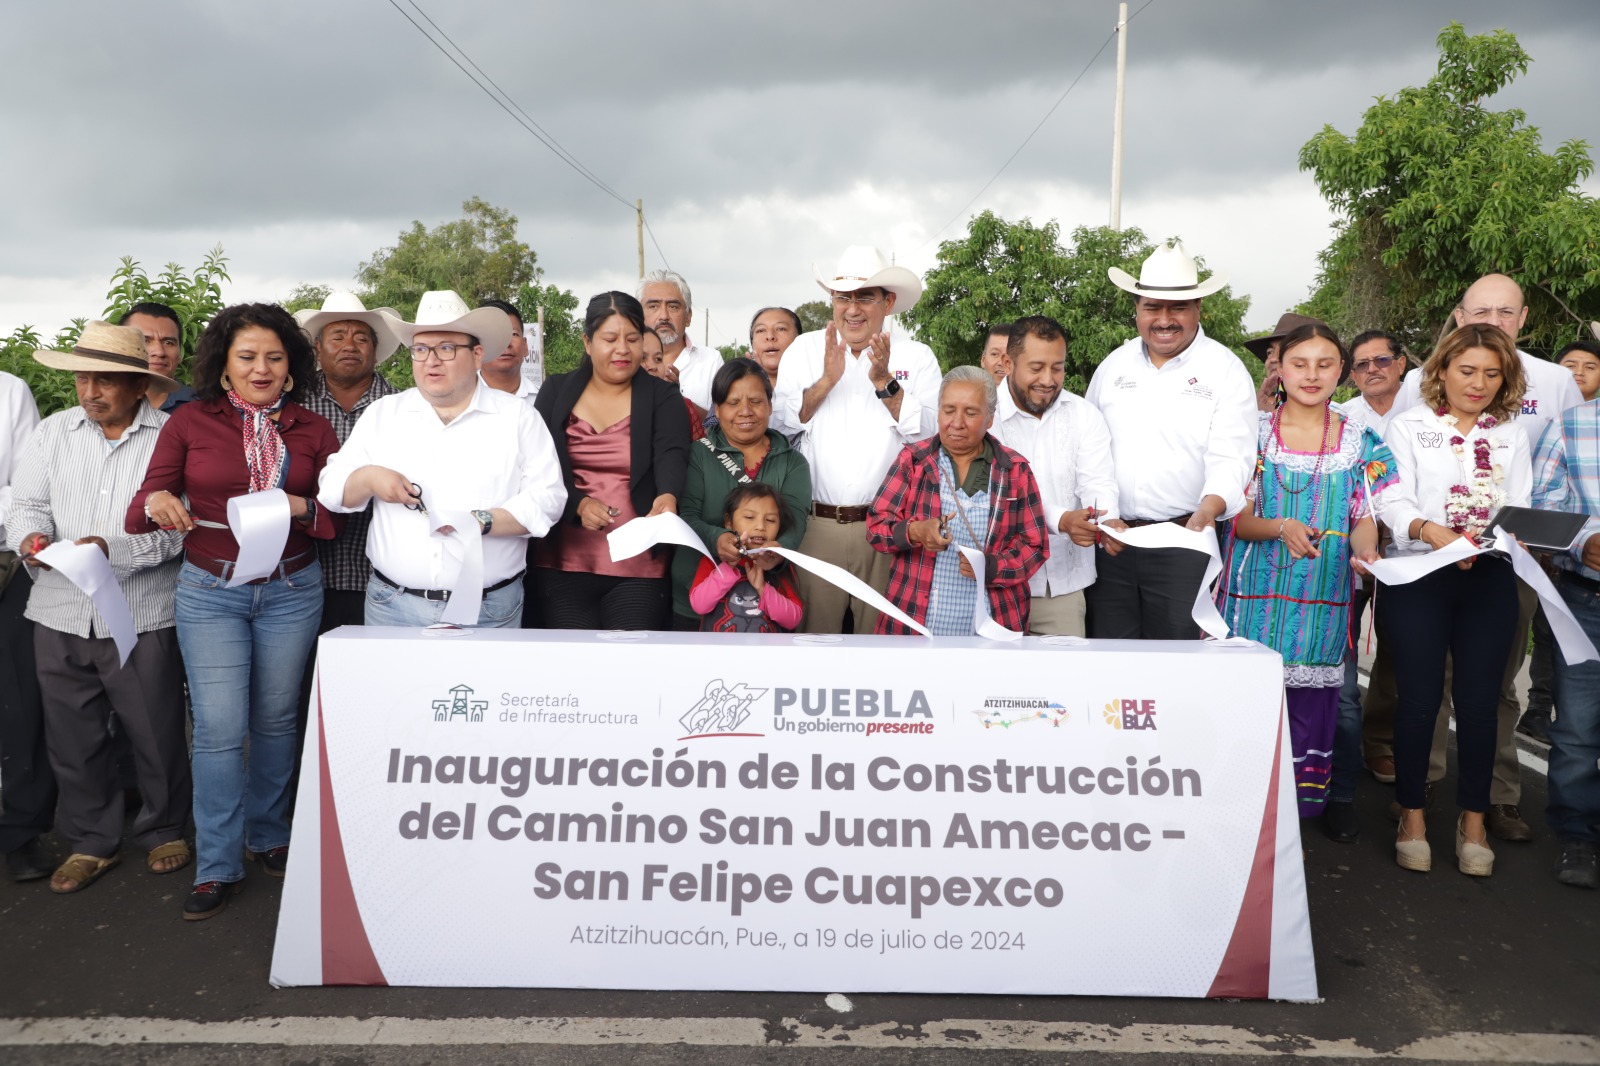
891,389
485,521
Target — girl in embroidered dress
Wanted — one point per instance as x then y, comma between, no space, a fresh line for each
748,598
1308,523
1461,459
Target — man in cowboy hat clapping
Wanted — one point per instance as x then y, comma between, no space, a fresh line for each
1182,413
858,399
74,481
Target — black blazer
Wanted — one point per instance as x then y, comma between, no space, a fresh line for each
659,454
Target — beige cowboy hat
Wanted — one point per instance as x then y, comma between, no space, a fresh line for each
1169,274
443,311
103,348
347,307
864,267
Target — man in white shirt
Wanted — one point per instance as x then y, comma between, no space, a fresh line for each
668,309
1497,300
1065,440
504,371
1181,409
1377,363
856,399
447,460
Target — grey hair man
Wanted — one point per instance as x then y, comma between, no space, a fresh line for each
669,309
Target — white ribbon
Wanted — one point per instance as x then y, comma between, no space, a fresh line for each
87,567
983,623
466,595
260,523
642,534
1172,535
1576,647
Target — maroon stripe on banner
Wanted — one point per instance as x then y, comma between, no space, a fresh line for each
347,957
1247,964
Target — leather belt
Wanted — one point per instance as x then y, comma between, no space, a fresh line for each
442,595
223,568
1135,523
842,515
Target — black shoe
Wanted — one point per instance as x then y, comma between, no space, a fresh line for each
1339,822
1535,725
1506,822
274,861
206,900
29,862
1578,865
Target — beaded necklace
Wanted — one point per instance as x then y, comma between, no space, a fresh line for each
1312,480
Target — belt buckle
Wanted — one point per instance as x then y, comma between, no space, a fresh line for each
838,516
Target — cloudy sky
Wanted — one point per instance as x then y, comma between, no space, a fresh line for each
304,134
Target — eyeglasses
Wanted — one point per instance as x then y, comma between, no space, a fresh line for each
860,299
1382,362
445,352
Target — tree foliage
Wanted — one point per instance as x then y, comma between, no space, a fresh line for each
814,315
478,256
563,334
1003,270
1435,190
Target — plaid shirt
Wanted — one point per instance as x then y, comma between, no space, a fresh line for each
1019,541
1566,475
344,559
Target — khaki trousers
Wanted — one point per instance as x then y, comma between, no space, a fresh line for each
844,544
1058,615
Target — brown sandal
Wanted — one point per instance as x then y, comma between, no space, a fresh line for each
79,872
178,849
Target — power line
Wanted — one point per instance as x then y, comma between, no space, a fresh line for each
1037,127
653,241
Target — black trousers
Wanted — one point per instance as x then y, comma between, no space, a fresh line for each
573,600
1470,615
1145,594
27,785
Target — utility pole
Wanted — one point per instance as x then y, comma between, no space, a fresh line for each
1116,126
638,225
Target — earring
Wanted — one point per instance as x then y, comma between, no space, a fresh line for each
227,386
288,384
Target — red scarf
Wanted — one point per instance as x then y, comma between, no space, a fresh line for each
263,443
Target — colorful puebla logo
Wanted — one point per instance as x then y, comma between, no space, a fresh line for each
460,705
1131,714
1005,713
721,711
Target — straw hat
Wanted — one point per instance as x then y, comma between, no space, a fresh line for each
864,267
1169,274
103,348
1287,324
347,307
443,311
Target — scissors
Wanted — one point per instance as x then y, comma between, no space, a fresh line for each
416,492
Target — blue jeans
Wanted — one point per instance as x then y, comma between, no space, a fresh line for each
1347,731
1574,807
244,649
388,606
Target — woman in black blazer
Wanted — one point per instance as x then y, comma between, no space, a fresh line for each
623,440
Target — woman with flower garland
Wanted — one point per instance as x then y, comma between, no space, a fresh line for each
1290,552
1461,459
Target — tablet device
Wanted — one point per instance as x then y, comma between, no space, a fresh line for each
1545,530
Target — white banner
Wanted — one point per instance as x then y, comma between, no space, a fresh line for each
1172,535
528,808
260,525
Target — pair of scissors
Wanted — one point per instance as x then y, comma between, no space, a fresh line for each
416,493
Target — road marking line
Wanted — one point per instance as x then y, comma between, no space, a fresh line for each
1556,1049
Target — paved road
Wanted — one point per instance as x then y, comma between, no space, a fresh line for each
1435,967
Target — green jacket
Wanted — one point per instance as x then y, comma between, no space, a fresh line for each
709,484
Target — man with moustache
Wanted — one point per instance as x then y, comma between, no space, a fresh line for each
772,330
1181,409
668,309
504,371
163,341
994,358
1065,440
856,400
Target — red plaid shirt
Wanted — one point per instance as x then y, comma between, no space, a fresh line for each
1019,540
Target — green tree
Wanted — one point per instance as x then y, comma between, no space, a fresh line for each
737,350
1434,190
306,297
814,315
563,335
1003,270
478,256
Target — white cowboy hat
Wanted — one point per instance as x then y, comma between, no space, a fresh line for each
1169,274
105,349
442,311
347,307
864,267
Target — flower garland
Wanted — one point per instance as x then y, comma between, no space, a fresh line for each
1469,506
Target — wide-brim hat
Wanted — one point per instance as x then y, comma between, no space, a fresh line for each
1287,324
1169,273
443,311
105,349
347,307
864,267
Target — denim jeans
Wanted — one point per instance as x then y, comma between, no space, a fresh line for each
243,649
388,606
1347,730
1574,807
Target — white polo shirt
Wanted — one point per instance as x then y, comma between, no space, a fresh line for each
496,453
1551,391
1358,409
1178,433
852,439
